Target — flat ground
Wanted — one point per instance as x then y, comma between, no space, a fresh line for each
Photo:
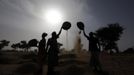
21,63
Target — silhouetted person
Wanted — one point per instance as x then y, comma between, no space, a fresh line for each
42,53
94,48
52,47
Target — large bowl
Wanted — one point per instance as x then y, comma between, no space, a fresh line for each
80,25
66,25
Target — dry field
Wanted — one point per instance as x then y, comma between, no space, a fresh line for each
21,63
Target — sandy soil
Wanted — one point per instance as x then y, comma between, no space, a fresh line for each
116,64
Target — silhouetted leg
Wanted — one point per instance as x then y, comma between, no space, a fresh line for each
50,70
40,65
92,62
40,70
97,62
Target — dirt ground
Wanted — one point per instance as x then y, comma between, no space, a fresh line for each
73,64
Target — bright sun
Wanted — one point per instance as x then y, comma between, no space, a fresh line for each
53,16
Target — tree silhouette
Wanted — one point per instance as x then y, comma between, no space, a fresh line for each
24,45
3,43
15,46
129,50
109,36
33,43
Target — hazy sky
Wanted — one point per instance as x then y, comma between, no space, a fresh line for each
24,19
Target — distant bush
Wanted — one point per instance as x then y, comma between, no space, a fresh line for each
129,50
3,43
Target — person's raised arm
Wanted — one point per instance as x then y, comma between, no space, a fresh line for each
59,32
85,34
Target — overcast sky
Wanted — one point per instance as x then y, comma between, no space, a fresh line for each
23,19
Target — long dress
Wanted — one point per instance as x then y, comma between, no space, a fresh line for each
41,56
42,51
95,51
53,52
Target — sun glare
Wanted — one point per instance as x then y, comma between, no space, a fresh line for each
53,16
